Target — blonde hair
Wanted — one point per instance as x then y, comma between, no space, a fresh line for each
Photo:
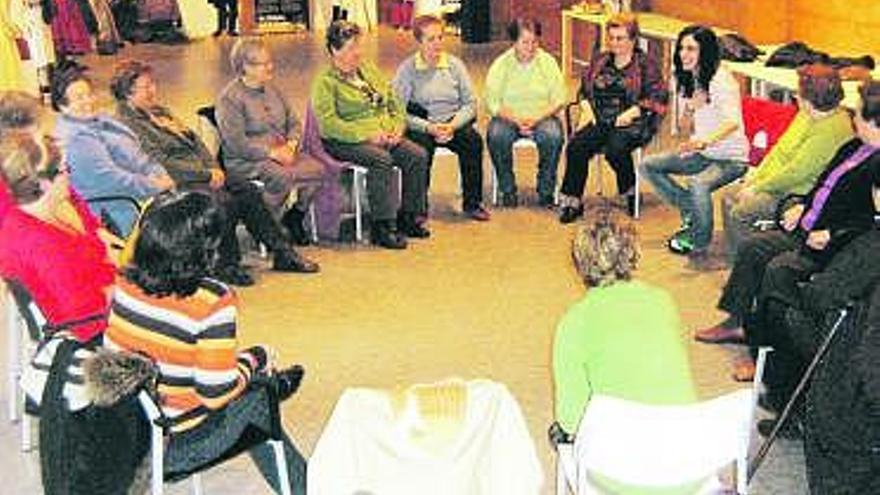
606,250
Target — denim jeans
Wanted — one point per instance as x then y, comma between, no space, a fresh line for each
694,201
549,137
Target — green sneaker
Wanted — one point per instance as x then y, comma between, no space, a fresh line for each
681,242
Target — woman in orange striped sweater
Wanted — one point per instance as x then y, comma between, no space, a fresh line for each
166,308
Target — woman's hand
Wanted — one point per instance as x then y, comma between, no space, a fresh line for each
791,217
819,239
692,146
626,118
282,154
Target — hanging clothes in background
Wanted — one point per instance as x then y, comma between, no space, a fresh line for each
197,18
11,67
107,40
69,29
28,15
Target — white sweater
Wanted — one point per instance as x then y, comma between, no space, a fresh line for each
367,449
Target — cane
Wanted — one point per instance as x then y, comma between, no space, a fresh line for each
786,412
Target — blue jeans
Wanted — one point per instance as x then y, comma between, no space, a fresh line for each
549,137
695,200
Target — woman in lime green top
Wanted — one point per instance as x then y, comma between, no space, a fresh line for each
362,121
623,339
524,94
797,159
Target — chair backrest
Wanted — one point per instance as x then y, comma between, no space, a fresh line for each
208,130
661,445
28,310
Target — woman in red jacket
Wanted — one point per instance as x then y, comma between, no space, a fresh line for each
49,241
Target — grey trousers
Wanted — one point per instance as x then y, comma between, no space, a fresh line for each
410,158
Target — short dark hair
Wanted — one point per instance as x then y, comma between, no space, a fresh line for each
176,244
520,24
125,75
870,93
66,73
18,110
708,63
339,33
820,85
423,21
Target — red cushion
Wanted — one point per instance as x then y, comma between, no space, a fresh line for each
768,117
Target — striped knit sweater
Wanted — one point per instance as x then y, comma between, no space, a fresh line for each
191,340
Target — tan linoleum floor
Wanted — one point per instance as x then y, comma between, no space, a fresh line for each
475,300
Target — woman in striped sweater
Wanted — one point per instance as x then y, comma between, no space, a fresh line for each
166,308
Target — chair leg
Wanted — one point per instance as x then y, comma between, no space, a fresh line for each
494,187
637,202
13,327
197,488
157,460
26,431
281,463
357,177
313,222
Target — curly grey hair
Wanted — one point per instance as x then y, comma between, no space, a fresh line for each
606,250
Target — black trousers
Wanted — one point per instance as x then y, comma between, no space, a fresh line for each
227,15
246,205
380,162
617,144
467,144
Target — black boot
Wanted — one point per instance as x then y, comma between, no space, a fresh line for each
382,234
234,275
293,222
288,260
408,225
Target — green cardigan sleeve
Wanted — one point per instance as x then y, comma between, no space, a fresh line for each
798,169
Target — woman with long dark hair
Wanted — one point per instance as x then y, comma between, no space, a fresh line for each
716,153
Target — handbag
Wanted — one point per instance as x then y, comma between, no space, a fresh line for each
24,50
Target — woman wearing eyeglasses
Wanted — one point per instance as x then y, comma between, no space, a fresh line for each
50,243
362,121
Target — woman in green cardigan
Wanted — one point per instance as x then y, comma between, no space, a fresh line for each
623,339
362,121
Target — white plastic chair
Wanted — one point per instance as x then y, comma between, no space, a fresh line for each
520,144
637,160
157,451
658,445
24,330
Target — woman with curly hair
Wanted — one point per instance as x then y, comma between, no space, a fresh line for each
623,339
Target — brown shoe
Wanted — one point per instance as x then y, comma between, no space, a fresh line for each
720,335
479,214
743,370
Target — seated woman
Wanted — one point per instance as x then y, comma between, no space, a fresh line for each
622,339
441,109
362,121
524,94
49,241
791,167
186,159
168,309
838,208
260,136
104,155
717,152
626,92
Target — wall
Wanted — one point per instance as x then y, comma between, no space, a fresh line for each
841,27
